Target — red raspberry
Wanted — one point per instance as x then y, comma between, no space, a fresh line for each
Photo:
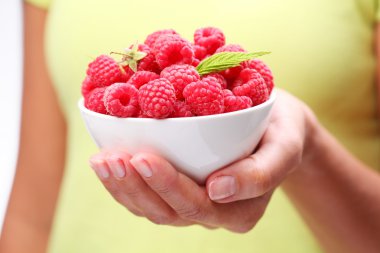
172,49
195,62
128,72
264,71
142,77
105,71
164,39
181,109
94,100
147,63
236,103
251,84
157,98
227,92
221,80
210,38
87,86
121,100
199,52
141,115
179,76
231,73
230,48
204,97
151,39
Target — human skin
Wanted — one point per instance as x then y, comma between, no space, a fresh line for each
337,195
317,173
32,203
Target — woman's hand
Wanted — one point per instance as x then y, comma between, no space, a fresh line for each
234,198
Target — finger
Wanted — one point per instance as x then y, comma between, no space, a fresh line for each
98,165
189,200
247,212
131,190
101,168
259,173
116,161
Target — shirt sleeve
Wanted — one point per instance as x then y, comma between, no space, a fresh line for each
44,4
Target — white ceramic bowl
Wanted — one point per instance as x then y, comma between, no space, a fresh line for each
196,146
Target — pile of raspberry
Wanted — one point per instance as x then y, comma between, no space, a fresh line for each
166,84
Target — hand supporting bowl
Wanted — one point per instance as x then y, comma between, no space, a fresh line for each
196,146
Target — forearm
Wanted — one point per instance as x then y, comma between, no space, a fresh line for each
31,210
338,197
42,150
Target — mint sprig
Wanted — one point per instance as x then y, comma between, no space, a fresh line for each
225,60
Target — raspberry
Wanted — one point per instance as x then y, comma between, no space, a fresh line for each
221,80
230,48
195,62
251,84
210,38
227,92
142,77
157,98
179,76
151,39
235,103
128,72
199,52
147,63
105,71
141,115
181,109
204,97
172,49
94,100
231,73
121,100
264,71
87,86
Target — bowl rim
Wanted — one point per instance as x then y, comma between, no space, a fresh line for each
267,103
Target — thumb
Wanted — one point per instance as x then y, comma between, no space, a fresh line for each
255,175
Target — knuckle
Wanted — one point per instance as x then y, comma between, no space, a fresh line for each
118,196
134,211
133,193
162,219
249,222
115,192
166,186
294,148
259,176
112,189
191,213
243,228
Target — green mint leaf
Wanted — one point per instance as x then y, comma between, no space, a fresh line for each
225,60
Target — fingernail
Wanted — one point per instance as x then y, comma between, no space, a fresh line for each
117,168
141,166
101,170
222,187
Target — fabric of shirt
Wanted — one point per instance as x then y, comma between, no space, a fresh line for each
322,52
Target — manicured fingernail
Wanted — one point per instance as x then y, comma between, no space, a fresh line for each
141,166
117,168
222,187
101,170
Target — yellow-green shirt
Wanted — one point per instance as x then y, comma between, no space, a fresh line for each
322,51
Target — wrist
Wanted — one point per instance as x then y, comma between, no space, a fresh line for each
312,151
313,136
